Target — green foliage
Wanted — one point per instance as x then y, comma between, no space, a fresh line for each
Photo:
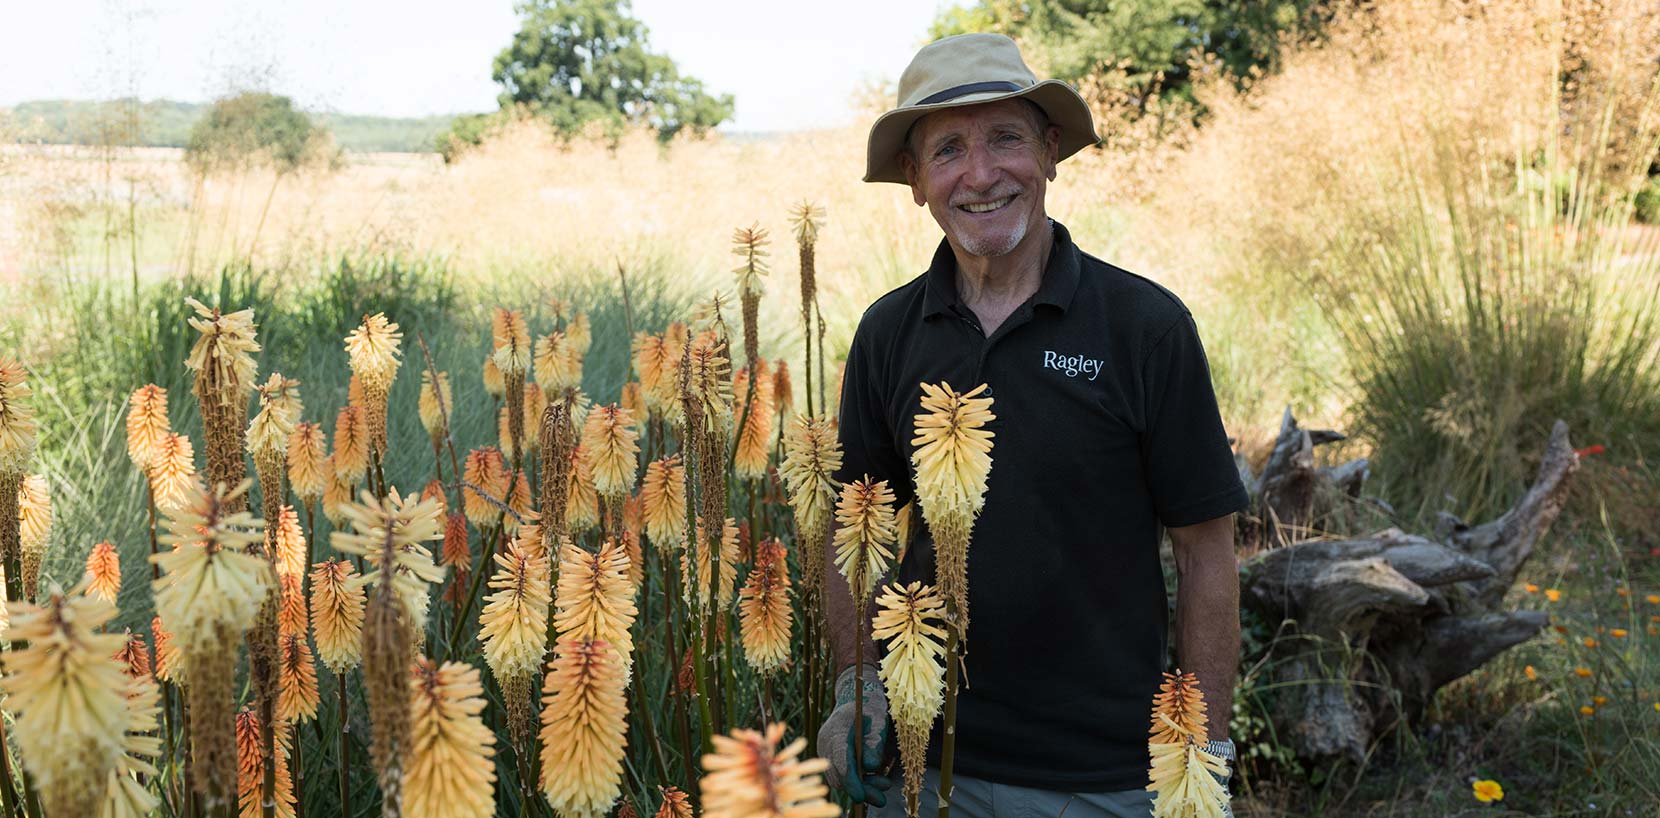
466,131
252,127
1646,205
581,61
165,123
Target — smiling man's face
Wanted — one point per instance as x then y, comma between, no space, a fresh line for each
982,170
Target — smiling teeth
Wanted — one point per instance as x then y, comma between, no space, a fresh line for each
987,206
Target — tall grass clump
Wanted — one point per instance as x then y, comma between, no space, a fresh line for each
1453,183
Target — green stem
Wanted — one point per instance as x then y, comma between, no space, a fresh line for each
948,741
344,761
472,591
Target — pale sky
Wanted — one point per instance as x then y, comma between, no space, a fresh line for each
789,64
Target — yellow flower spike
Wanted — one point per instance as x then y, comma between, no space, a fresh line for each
609,440
351,445
864,542
764,615
584,728
486,469
290,543
581,498
513,627
747,244
209,594
450,773
558,364
1182,774
279,411
909,617
750,776
657,360
633,399
309,469
373,354
17,423
709,380
755,438
390,535
1487,791
173,473
224,352
594,600
535,402
34,527
124,796
812,455
727,570
519,501
675,804
580,334
663,502
65,688
511,341
147,424
337,603
169,664
296,680
103,572
494,384
433,414
291,613
952,461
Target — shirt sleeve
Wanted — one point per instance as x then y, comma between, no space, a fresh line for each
868,443
1185,454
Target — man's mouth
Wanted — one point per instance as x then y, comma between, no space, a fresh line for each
987,207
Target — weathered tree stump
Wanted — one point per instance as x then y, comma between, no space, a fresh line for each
1292,494
1380,623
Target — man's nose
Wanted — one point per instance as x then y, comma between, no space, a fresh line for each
982,168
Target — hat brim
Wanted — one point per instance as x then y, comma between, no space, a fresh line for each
1057,99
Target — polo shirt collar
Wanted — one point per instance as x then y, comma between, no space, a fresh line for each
1060,277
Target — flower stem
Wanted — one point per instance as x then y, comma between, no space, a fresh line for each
948,744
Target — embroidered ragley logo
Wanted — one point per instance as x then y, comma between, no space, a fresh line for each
1073,365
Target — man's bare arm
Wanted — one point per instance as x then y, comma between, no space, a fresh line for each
1207,613
839,613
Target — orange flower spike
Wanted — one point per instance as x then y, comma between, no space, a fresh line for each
291,615
103,572
750,776
147,424
296,680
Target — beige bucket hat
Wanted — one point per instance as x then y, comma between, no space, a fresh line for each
969,69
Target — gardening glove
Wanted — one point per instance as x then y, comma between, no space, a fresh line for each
853,763
1224,750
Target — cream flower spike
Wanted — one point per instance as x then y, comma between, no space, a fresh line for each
952,461
913,671
750,776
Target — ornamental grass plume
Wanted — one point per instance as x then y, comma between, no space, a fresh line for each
485,469
764,615
124,795
663,502
584,727
292,615
952,458
450,772
337,603
296,680
594,600
747,244
134,656
1183,777
913,671
147,424
755,438
435,406
390,535
749,776
309,468
223,361
209,594
558,364
250,758
351,445
675,804
372,352
513,629
173,473
65,688
864,542
812,453
34,528
611,445
103,572
169,663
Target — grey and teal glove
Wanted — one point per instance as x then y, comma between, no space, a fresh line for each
854,763
1224,750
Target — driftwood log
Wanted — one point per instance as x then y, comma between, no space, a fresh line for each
1293,495
1378,624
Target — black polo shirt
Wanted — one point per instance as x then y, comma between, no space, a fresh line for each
1106,429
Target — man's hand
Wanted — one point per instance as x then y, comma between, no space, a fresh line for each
1224,750
852,766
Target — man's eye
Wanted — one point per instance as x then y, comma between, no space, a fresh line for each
945,150
1008,138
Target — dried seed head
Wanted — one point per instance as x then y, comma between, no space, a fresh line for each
864,542
513,628
290,543
134,657
351,445
749,776
65,688
103,572
450,772
663,502
373,352
436,404
486,469
535,403
147,424
764,615
812,455
296,680
952,459
511,338
584,728
309,469
17,423
390,535
337,603
610,442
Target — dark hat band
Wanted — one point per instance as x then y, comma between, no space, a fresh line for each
971,88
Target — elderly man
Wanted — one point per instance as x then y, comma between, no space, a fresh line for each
1107,431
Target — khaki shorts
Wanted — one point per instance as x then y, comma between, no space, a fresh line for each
976,798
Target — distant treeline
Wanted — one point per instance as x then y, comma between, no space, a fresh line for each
164,123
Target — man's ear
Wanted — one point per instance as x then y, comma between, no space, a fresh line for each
1051,150
907,163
